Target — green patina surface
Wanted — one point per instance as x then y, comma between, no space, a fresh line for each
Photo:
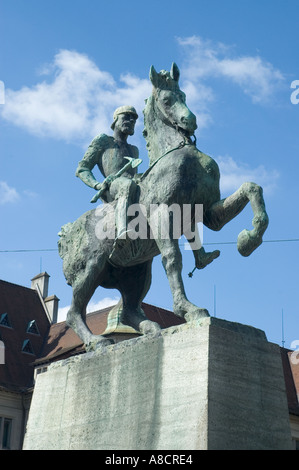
178,173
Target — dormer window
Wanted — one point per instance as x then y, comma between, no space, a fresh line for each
4,320
32,328
27,347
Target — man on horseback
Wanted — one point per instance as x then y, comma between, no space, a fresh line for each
178,175
109,154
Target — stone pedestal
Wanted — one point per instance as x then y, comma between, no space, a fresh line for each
206,385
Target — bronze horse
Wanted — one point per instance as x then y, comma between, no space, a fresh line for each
179,174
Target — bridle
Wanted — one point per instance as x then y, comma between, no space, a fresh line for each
183,143
186,141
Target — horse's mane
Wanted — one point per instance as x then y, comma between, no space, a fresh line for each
163,80
146,130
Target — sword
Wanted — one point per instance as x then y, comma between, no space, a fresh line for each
133,162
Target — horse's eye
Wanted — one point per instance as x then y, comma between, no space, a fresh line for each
167,100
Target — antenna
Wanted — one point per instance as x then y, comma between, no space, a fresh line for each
214,300
282,329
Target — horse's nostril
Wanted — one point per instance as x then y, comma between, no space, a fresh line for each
189,122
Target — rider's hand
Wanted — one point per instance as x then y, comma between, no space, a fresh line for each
109,179
98,186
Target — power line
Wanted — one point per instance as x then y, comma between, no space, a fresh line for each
285,240
28,251
264,241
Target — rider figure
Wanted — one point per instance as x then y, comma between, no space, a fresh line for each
108,153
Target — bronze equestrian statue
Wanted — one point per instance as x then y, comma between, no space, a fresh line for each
178,174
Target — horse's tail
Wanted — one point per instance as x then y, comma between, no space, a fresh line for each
63,241
72,246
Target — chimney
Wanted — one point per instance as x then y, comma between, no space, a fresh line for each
42,281
52,307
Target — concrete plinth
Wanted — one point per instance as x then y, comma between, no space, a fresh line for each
207,385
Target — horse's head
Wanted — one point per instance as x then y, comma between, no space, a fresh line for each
171,101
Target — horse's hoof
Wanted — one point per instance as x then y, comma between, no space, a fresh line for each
149,327
196,314
248,242
99,343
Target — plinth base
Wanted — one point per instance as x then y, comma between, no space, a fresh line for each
212,384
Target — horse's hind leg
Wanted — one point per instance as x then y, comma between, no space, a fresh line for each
225,210
133,294
133,284
83,290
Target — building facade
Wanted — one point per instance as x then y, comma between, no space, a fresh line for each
25,320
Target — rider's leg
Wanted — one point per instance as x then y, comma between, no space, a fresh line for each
123,190
201,257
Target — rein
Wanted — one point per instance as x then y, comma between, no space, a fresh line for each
182,144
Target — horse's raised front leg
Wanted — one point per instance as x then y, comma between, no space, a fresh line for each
172,263
225,210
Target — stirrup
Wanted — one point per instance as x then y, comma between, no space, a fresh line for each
115,244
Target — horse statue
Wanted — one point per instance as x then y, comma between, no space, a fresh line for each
178,173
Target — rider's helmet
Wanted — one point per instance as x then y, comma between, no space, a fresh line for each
123,110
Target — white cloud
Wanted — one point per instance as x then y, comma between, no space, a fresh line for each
233,174
92,307
7,193
77,100
206,59
74,99
100,304
30,194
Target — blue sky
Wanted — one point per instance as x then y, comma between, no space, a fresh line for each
66,65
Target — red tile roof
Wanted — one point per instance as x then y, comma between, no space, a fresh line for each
291,376
22,305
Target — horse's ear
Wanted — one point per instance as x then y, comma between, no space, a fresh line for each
175,72
153,76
